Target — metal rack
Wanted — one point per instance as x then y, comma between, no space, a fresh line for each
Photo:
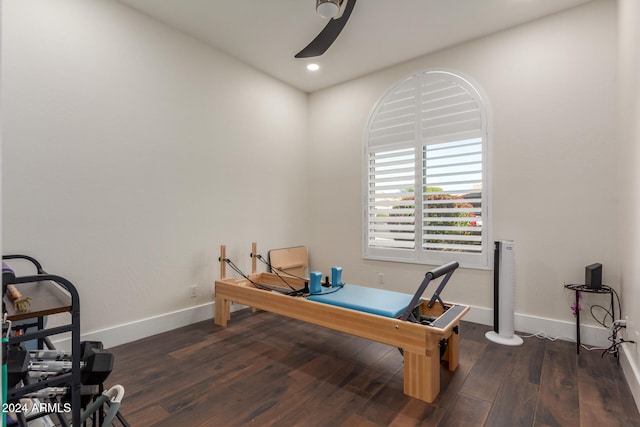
577,288
50,294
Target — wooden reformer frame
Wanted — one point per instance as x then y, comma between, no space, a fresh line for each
419,342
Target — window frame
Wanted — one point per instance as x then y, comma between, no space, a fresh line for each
419,255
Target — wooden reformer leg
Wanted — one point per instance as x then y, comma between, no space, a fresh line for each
422,373
222,311
453,348
254,269
222,307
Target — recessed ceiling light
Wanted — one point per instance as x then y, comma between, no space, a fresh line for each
313,67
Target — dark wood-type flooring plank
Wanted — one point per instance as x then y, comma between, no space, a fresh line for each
558,400
269,370
515,403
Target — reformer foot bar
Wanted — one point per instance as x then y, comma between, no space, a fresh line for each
418,339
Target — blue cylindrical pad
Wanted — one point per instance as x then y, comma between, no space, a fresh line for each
315,286
336,276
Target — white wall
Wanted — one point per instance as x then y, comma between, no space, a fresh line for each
629,158
551,85
132,152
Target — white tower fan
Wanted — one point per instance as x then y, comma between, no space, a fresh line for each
504,296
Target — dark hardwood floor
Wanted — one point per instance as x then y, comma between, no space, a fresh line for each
267,370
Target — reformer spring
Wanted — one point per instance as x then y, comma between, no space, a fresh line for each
254,283
278,270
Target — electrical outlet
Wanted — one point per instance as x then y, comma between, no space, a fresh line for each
381,278
193,291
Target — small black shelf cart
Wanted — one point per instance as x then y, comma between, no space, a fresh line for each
577,288
50,294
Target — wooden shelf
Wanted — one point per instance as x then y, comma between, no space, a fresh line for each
46,298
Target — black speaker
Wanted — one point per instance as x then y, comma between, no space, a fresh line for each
593,276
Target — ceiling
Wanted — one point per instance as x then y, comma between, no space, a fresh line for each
266,34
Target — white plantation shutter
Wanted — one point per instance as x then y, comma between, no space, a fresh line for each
426,174
391,201
449,112
452,207
396,117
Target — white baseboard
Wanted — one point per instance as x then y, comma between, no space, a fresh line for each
525,324
631,371
132,331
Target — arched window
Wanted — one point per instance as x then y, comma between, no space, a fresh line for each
426,173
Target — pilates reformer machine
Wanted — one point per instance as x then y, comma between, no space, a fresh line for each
425,331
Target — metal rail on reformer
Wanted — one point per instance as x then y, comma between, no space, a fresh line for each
420,342
449,311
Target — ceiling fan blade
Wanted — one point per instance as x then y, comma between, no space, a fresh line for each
328,35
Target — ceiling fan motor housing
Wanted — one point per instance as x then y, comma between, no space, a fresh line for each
328,8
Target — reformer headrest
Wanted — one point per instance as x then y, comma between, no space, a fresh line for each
443,269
